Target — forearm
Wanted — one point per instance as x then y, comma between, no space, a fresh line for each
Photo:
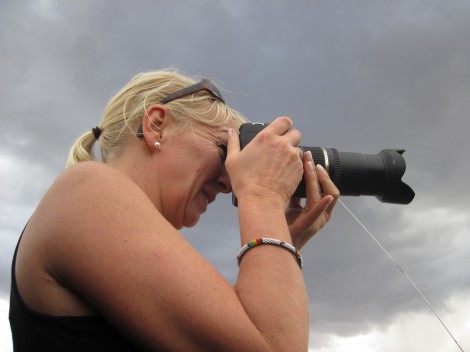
270,284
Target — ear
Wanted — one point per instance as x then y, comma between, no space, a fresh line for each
155,120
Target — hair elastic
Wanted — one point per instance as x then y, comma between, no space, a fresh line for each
274,242
96,132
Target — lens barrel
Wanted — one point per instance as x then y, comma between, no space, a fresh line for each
357,174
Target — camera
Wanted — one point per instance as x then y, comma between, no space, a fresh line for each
354,174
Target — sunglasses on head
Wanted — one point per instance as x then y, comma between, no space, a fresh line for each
204,84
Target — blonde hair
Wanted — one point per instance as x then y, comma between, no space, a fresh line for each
125,111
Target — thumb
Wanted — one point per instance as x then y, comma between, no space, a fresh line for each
233,145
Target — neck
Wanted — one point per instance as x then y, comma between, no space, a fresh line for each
139,165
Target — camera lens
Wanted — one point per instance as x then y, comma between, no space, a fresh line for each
358,174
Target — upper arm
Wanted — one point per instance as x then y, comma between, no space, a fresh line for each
118,252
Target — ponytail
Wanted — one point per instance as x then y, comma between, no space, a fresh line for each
82,150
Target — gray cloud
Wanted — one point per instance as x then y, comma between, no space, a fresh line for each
358,76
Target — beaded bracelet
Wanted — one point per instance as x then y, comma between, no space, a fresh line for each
271,241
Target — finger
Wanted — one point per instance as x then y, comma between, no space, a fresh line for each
233,144
279,126
300,153
293,137
328,187
312,186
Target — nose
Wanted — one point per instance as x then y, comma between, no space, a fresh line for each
224,182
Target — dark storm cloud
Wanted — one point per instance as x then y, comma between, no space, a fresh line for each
359,76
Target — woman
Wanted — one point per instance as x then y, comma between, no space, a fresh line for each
101,264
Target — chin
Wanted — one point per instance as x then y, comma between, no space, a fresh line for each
192,221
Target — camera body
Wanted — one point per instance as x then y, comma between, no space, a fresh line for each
354,174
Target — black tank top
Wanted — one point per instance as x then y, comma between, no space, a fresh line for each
33,331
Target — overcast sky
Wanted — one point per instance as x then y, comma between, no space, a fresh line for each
359,76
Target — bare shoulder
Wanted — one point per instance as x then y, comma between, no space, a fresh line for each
93,189
98,204
90,177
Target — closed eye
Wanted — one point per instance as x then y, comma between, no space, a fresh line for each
223,147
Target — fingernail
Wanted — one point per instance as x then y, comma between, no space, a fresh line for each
229,132
320,168
309,155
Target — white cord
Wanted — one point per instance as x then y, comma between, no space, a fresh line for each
403,272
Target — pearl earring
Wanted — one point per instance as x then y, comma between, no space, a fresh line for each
157,146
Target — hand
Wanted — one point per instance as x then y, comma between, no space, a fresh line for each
305,221
269,167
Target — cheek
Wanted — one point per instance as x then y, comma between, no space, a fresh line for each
208,169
